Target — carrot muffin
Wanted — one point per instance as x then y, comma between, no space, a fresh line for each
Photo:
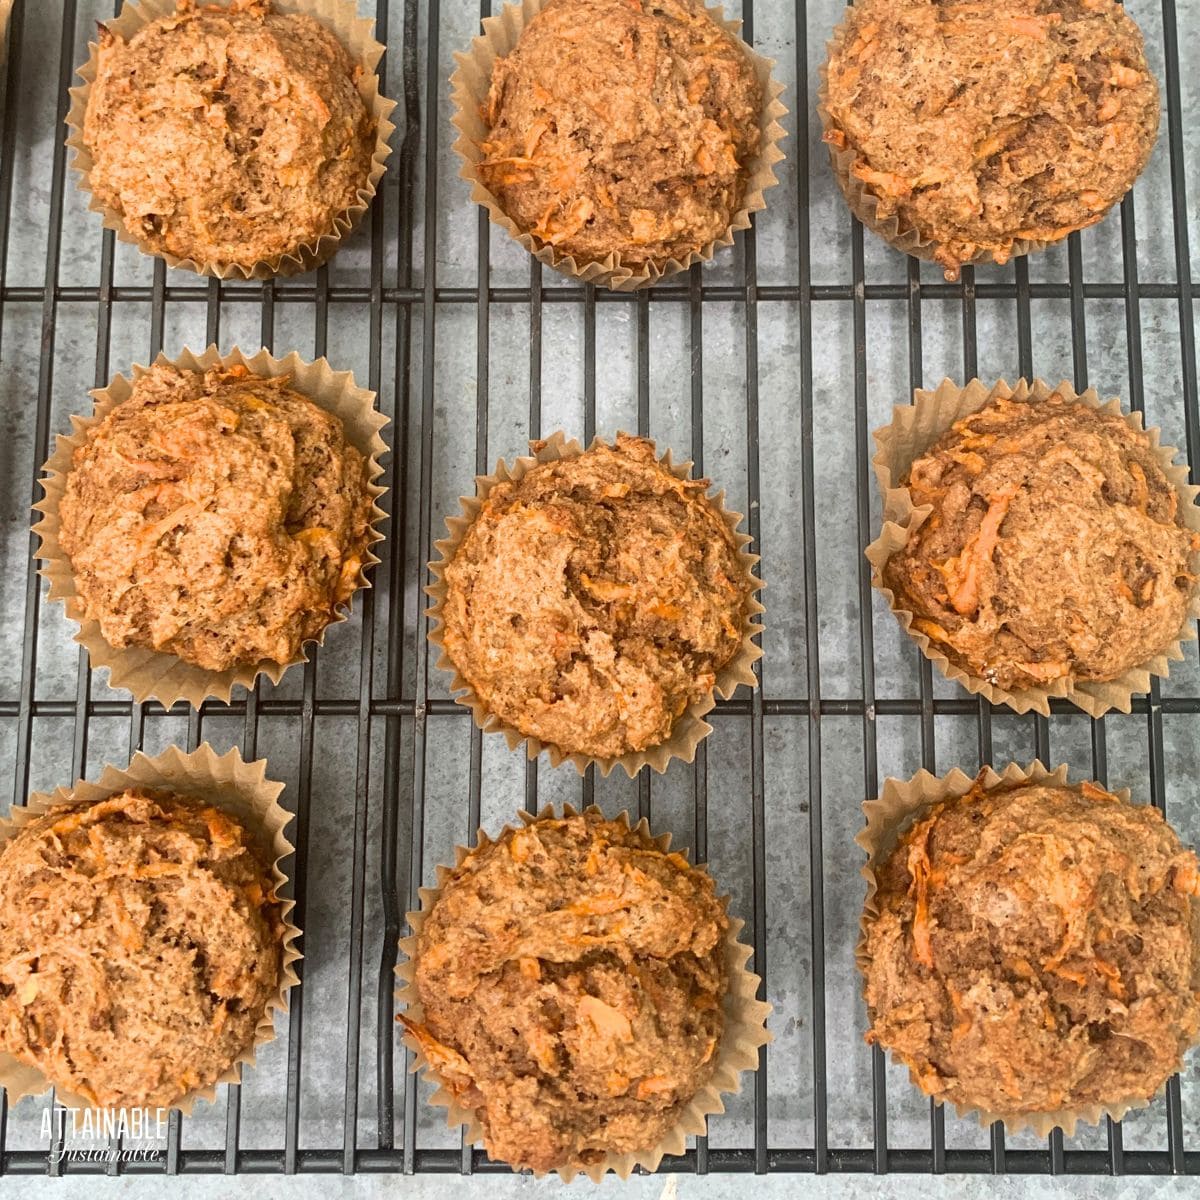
1036,950
622,126
591,601
979,126
227,135
571,977
140,942
218,516
1055,548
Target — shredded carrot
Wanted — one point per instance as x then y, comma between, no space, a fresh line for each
963,1024
931,629
534,135
616,1083
963,571
887,182
606,1021
1093,791
835,137
127,931
597,906
444,1057
220,828
1186,876
1037,28
1077,977
1111,975
918,868
654,1085
1141,492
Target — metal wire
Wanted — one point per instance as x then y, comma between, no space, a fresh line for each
409,310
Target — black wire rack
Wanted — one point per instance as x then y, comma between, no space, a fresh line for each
843,699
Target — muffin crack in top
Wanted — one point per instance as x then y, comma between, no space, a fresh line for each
981,125
140,944
571,977
227,135
622,126
1055,547
1035,950
592,600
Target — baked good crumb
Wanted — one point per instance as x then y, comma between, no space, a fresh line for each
591,601
228,135
216,515
571,977
1036,950
140,943
1055,548
984,125
622,127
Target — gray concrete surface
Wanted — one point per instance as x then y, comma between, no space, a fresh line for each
72,365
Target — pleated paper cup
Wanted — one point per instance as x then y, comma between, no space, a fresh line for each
744,1034
899,806
469,92
152,674
690,728
913,430
236,787
357,36
864,203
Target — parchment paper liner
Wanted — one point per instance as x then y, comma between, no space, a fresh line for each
469,89
152,674
896,809
229,783
864,204
917,426
744,1033
689,728
357,36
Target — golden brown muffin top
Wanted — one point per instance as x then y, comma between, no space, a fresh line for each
622,126
592,601
139,945
572,977
217,516
1036,949
1055,549
981,124
228,135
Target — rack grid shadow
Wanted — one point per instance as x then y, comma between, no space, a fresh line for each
770,367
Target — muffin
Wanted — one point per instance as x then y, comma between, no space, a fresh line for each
140,945
969,132
1032,951
571,978
1055,551
228,136
215,515
595,598
622,127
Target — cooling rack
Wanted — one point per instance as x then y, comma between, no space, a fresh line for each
770,367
